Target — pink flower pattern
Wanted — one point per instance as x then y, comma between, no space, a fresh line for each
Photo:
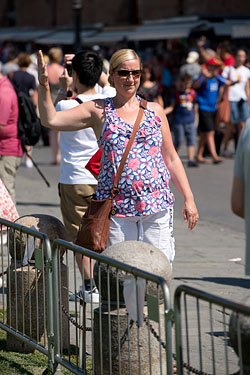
144,184
7,208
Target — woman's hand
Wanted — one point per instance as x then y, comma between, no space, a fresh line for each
190,213
42,70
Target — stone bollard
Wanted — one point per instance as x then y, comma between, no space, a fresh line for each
28,284
244,323
147,258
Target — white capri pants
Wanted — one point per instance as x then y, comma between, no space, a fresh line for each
156,229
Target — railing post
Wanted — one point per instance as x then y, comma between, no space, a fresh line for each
55,299
178,339
52,301
168,319
49,282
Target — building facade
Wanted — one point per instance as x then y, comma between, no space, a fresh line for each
53,13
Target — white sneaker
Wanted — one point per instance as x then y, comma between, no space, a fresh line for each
92,296
89,296
28,163
76,296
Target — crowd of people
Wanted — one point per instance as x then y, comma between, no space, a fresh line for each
104,94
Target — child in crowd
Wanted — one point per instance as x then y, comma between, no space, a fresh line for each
207,87
184,109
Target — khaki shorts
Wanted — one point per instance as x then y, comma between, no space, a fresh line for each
8,170
74,205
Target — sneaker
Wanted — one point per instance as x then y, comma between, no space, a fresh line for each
192,163
28,163
92,296
89,296
75,296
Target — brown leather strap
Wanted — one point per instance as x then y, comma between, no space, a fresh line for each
143,105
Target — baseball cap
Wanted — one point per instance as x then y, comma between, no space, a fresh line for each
214,61
192,57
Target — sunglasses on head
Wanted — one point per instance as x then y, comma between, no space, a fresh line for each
126,73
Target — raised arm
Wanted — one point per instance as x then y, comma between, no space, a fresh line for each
177,172
90,114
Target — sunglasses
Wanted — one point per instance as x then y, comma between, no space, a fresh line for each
126,73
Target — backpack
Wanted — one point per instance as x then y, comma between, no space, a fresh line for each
29,125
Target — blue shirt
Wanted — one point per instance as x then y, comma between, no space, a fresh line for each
207,97
184,107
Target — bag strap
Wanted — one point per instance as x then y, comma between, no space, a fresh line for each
79,100
143,105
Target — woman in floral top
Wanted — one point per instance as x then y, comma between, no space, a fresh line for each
144,205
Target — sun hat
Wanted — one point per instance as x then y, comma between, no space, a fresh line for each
192,57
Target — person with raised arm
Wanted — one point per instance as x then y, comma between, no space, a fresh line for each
144,205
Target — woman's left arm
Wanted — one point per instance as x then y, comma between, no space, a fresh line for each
177,172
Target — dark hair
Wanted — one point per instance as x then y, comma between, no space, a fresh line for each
226,46
241,49
186,77
88,66
149,67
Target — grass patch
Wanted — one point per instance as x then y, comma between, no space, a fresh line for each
13,363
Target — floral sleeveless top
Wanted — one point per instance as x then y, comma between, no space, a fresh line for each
144,183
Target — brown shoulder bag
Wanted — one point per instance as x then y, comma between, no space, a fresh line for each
94,228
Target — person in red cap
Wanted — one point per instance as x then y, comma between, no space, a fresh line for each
207,87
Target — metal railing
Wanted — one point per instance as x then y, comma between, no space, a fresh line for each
25,294
209,333
87,336
114,342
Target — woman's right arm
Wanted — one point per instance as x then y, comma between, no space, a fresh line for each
86,115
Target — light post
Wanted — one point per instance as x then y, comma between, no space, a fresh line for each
77,6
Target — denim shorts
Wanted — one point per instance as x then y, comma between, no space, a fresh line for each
239,111
181,130
155,229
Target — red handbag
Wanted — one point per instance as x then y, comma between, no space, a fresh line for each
94,228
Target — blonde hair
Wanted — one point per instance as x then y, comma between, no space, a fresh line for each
119,57
55,55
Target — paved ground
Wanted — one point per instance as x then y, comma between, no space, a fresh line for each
210,258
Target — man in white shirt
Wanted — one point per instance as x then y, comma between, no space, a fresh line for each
239,96
76,183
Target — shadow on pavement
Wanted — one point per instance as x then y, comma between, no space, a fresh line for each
234,281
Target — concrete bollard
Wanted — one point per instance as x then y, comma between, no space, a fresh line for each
148,258
130,361
244,323
47,224
26,286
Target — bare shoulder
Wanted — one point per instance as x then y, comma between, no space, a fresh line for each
156,108
92,109
94,105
